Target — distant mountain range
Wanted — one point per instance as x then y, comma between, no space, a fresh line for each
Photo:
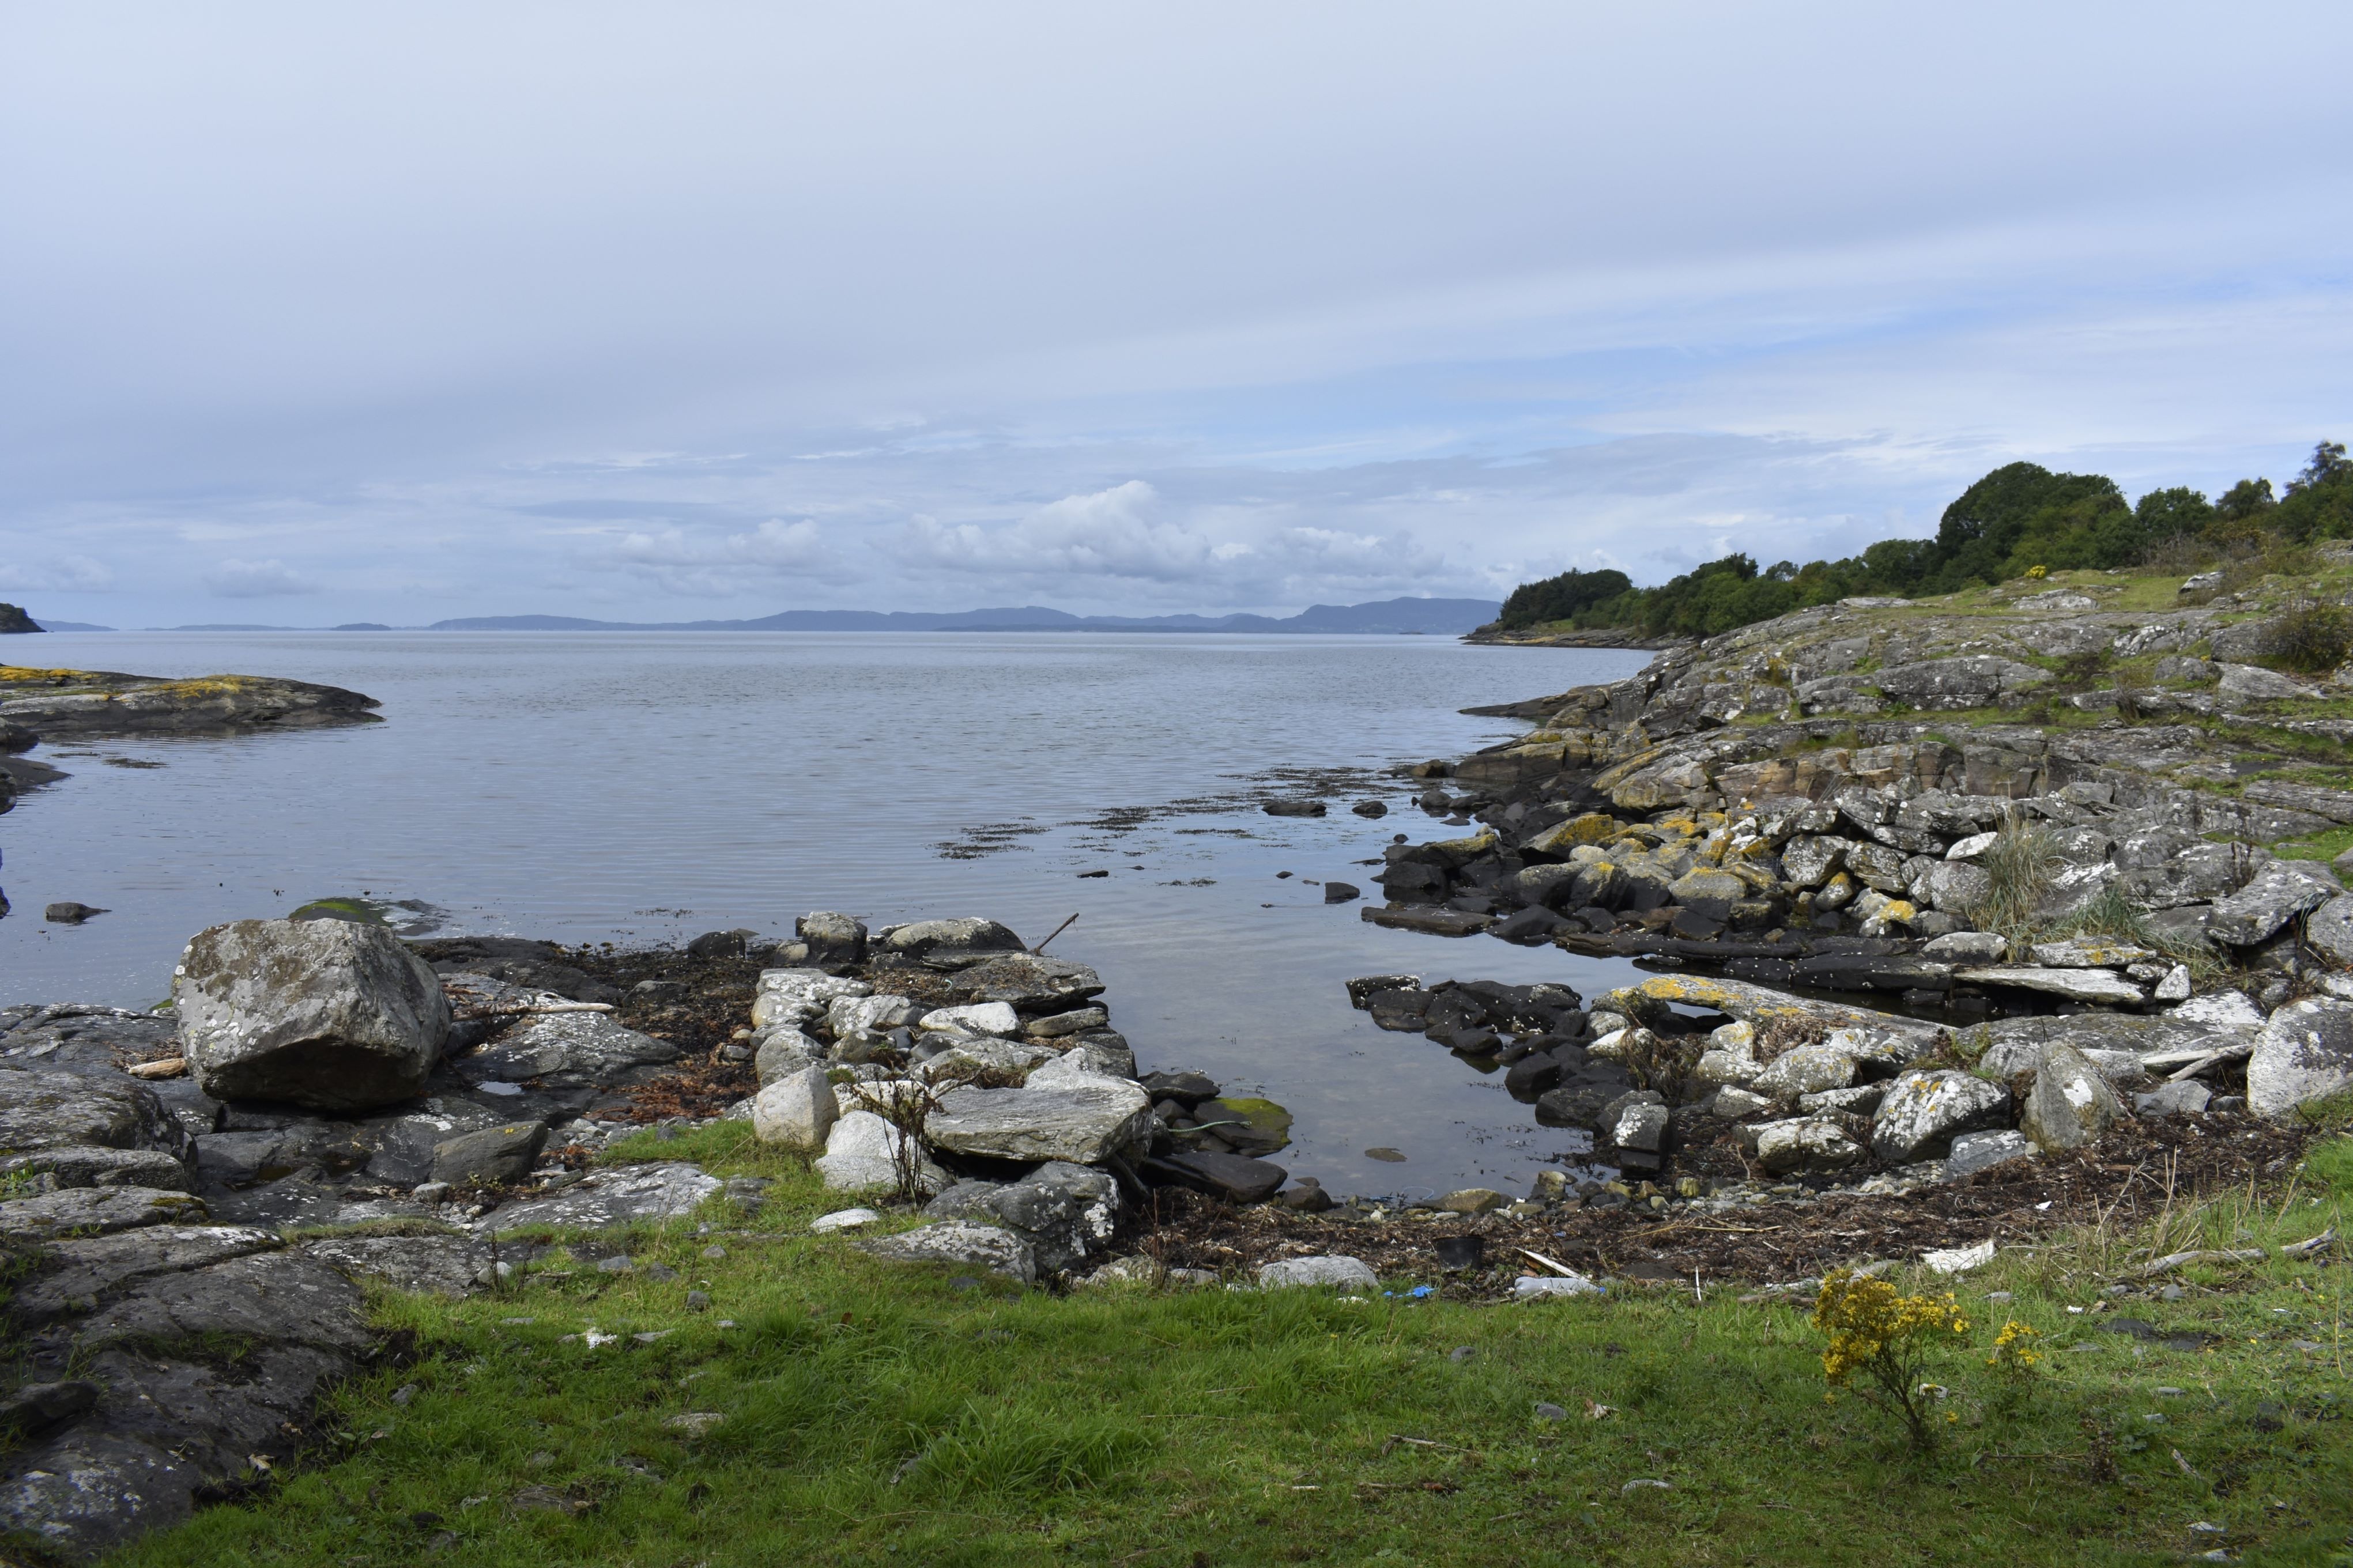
1433,617
1387,617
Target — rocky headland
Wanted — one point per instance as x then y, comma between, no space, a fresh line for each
56,704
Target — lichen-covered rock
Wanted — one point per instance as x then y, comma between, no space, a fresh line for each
989,1247
1806,1069
326,1014
1064,1212
2278,894
1082,1122
1923,1111
2070,1103
796,1112
951,944
1804,1143
2303,1053
569,1050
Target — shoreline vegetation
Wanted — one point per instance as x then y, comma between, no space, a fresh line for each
855,1244
2017,521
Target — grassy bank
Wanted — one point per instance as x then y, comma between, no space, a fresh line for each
877,1414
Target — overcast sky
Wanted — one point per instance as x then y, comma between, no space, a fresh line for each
317,313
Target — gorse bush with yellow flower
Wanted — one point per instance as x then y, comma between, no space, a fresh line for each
1880,1344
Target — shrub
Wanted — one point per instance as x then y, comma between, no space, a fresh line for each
2314,639
1885,1338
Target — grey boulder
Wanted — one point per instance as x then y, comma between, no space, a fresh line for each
2070,1103
326,1014
796,1112
1804,1143
491,1156
1064,1212
2303,1053
1083,1122
1923,1111
832,937
986,1246
2329,932
1805,1069
567,1050
1975,1151
44,1110
1033,982
2279,893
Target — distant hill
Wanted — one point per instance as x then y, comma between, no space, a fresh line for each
1433,617
48,625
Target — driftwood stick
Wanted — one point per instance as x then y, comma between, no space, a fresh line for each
1052,934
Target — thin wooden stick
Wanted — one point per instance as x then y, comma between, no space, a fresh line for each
1052,934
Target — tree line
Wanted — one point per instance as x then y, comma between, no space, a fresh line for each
2016,518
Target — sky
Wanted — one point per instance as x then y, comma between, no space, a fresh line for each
314,314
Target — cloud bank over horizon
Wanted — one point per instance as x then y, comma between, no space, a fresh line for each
714,309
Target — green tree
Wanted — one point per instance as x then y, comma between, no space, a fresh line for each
2171,514
2246,499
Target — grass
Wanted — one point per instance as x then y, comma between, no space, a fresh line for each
882,1415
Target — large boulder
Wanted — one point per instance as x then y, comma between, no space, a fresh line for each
2303,1053
2070,1103
832,937
2278,894
1064,1212
327,1014
1923,1111
1084,1122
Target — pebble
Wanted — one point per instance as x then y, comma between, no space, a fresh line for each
715,1251
620,1265
698,1301
1546,1412
1460,1353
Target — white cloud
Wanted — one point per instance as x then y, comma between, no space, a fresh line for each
57,575
718,566
1115,532
235,579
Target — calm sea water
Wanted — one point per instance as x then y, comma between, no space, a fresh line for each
637,787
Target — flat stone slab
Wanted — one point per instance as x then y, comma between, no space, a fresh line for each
619,1195
94,1211
1330,1271
76,1273
2074,984
1429,922
449,1266
1082,1122
987,1246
